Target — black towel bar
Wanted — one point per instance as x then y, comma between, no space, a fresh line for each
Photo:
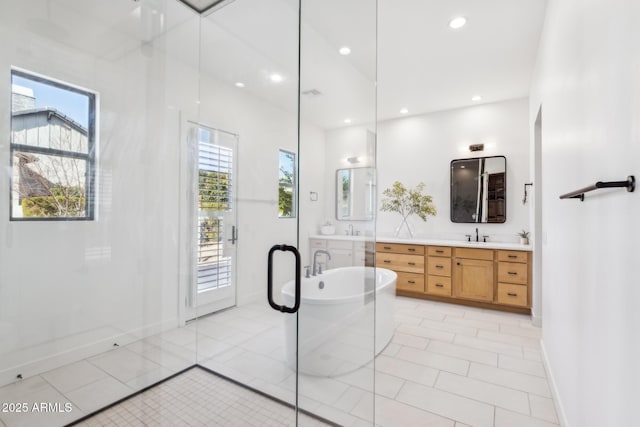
629,184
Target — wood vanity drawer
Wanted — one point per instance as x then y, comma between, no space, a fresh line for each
438,251
410,282
511,272
471,253
401,262
512,294
439,285
439,266
513,256
400,248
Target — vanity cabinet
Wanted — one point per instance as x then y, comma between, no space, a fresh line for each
344,253
490,278
513,278
407,261
438,271
474,274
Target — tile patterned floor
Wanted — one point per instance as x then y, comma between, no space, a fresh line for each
447,365
199,398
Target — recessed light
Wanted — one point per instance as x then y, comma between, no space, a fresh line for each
457,22
239,84
476,98
404,111
345,50
347,121
276,78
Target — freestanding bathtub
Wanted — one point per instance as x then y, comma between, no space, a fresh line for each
336,319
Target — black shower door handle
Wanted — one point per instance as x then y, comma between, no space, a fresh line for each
282,308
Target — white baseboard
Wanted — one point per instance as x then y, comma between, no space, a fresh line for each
536,320
255,297
562,415
29,362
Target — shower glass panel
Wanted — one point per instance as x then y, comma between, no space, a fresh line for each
271,73
134,247
249,88
90,284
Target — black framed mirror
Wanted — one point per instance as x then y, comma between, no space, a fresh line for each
479,190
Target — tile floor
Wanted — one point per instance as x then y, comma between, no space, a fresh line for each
198,398
447,365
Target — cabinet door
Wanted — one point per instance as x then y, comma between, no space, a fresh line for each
473,279
340,258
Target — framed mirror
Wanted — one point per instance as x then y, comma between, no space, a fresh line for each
355,194
479,190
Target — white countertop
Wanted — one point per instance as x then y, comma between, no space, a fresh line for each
428,242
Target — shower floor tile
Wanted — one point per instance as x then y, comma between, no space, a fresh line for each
437,350
199,398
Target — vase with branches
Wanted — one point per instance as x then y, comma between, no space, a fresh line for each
407,202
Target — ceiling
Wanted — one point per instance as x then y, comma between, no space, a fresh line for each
421,64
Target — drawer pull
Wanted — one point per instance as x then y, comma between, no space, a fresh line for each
411,263
412,282
387,247
411,249
511,294
386,261
513,273
439,266
439,251
439,285
513,256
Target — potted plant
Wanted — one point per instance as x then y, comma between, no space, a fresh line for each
524,237
407,202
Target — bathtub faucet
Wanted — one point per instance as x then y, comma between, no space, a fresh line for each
317,270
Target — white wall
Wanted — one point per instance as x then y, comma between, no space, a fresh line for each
71,289
588,83
263,129
420,149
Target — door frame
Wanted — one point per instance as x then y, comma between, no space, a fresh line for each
189,309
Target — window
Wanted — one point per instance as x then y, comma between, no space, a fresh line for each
287,185
52,150
215,202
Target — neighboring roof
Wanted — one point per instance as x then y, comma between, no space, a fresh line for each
52,111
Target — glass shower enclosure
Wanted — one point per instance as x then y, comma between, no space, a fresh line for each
167,174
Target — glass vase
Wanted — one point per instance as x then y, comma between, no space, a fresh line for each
402,225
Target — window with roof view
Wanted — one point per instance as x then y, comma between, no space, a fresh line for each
52,149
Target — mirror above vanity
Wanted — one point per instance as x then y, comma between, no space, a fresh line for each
355,194
478,190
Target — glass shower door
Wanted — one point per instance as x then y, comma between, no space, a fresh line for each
248,87
272,73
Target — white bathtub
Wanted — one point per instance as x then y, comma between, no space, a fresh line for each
336,319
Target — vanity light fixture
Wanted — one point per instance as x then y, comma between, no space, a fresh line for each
276,78
404,111
457,22
239,84
476,147
476,98
347,121
345,50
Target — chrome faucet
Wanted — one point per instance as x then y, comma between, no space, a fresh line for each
350,230
477,238
315,263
